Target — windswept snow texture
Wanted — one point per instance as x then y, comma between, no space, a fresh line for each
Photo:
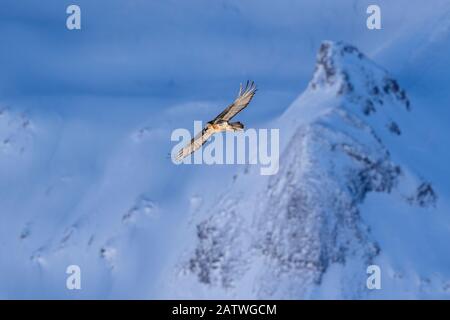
86,177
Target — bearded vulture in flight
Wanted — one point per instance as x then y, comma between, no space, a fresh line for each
221,122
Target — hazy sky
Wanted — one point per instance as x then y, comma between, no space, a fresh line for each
186,49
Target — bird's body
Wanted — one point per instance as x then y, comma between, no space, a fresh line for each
225,126
222,122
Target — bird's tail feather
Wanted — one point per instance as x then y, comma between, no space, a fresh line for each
237,126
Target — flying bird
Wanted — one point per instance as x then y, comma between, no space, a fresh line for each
222,121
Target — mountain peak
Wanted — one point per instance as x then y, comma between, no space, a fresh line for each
344,68
330,63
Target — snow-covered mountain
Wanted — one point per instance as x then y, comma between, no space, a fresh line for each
348,194
302,233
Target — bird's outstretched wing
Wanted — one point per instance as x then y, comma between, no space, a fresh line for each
244,97
195,144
